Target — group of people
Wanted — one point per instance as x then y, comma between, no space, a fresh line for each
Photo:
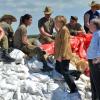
62,44
62,50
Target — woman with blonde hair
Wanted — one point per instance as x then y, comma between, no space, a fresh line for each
63,52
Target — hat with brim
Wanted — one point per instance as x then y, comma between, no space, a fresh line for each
96,5
74,18
48,10
6,16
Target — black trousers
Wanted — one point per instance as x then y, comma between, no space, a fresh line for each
63,68
95,80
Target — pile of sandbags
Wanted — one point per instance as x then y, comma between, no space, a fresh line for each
18,83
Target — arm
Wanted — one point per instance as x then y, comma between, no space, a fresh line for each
41,28
10,31
81,30
25,39
1,33
64,42
42,31
24,35
86,20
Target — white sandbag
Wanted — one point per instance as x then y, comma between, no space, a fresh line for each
11,80
24,96
13,76
10,72
81,85
31,88
4,85
8,96
83,96
0,77
27,96
17,94
89,95
1,98
51,86
9,87
3,91
2,82
85,79
21,68
1,63
48,96
72,67
22,76
42,78
40,98
34,65
44,88
18,55
33,78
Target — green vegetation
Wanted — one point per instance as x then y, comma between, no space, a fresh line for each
33,36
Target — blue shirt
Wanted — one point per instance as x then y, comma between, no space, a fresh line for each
94,47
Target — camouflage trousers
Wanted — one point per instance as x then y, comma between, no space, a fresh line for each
4,42
45,39
32,51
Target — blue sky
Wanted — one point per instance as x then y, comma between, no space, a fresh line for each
36,7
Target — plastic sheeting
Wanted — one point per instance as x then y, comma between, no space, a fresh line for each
38,86
79,45
17,83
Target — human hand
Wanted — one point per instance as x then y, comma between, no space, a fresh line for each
96,60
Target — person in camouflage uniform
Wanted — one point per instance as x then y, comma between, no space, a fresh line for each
4,56
5,22
74,27
21,41
46,25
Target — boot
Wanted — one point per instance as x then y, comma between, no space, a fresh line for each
5,57
75,73
43,60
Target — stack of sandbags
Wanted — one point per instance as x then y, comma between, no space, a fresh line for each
11,76
17,83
